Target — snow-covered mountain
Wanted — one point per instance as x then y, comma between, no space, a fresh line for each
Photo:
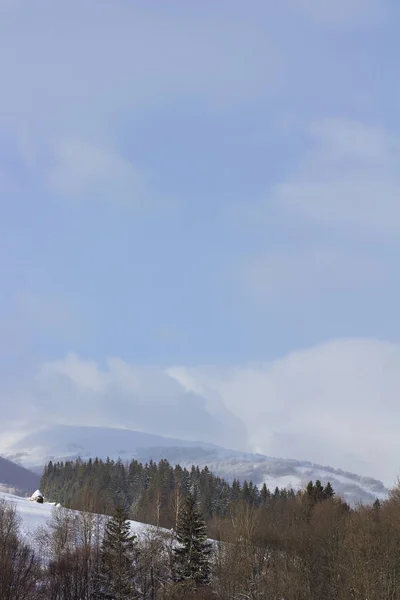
59,442
281,472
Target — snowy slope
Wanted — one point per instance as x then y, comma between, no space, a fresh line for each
63,442
34,515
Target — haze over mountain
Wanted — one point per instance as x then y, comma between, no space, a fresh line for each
200,224
304,405
68,443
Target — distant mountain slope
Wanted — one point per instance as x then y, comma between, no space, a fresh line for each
63,442
275,472
17,478
60,442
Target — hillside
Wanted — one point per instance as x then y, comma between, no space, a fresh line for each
59,442
275,472
15,478
34,515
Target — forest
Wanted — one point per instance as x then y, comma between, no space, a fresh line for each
207,539
150,492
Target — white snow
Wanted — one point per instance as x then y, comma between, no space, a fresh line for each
37,494
284,481
34,515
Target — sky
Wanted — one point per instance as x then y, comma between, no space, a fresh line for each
199,223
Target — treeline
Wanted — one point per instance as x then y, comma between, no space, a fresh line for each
150,493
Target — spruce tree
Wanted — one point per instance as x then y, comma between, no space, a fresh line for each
264,495
236,490
310,490
377,505
319,491
192,555
115,579
328,492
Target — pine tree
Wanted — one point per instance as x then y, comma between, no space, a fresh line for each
192,556
328,492
377,505
115,580
246,492
310,489
264,495
319,491
236,490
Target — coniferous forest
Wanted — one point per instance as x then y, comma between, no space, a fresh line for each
149,493
208,539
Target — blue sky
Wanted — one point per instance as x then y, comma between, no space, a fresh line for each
202,187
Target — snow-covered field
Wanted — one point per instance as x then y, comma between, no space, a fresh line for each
34,515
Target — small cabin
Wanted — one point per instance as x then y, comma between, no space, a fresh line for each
37,497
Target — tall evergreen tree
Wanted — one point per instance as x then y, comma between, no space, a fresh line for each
310,490
236,490
118,555
192,555
328,491
319,491
265,494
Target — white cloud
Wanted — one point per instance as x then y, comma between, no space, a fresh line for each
349,180
309,273
86,171
337,201
75,391
84,374
336,403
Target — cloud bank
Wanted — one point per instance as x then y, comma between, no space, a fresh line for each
76,391
336,403
347,181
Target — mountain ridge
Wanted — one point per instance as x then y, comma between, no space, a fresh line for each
63,442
